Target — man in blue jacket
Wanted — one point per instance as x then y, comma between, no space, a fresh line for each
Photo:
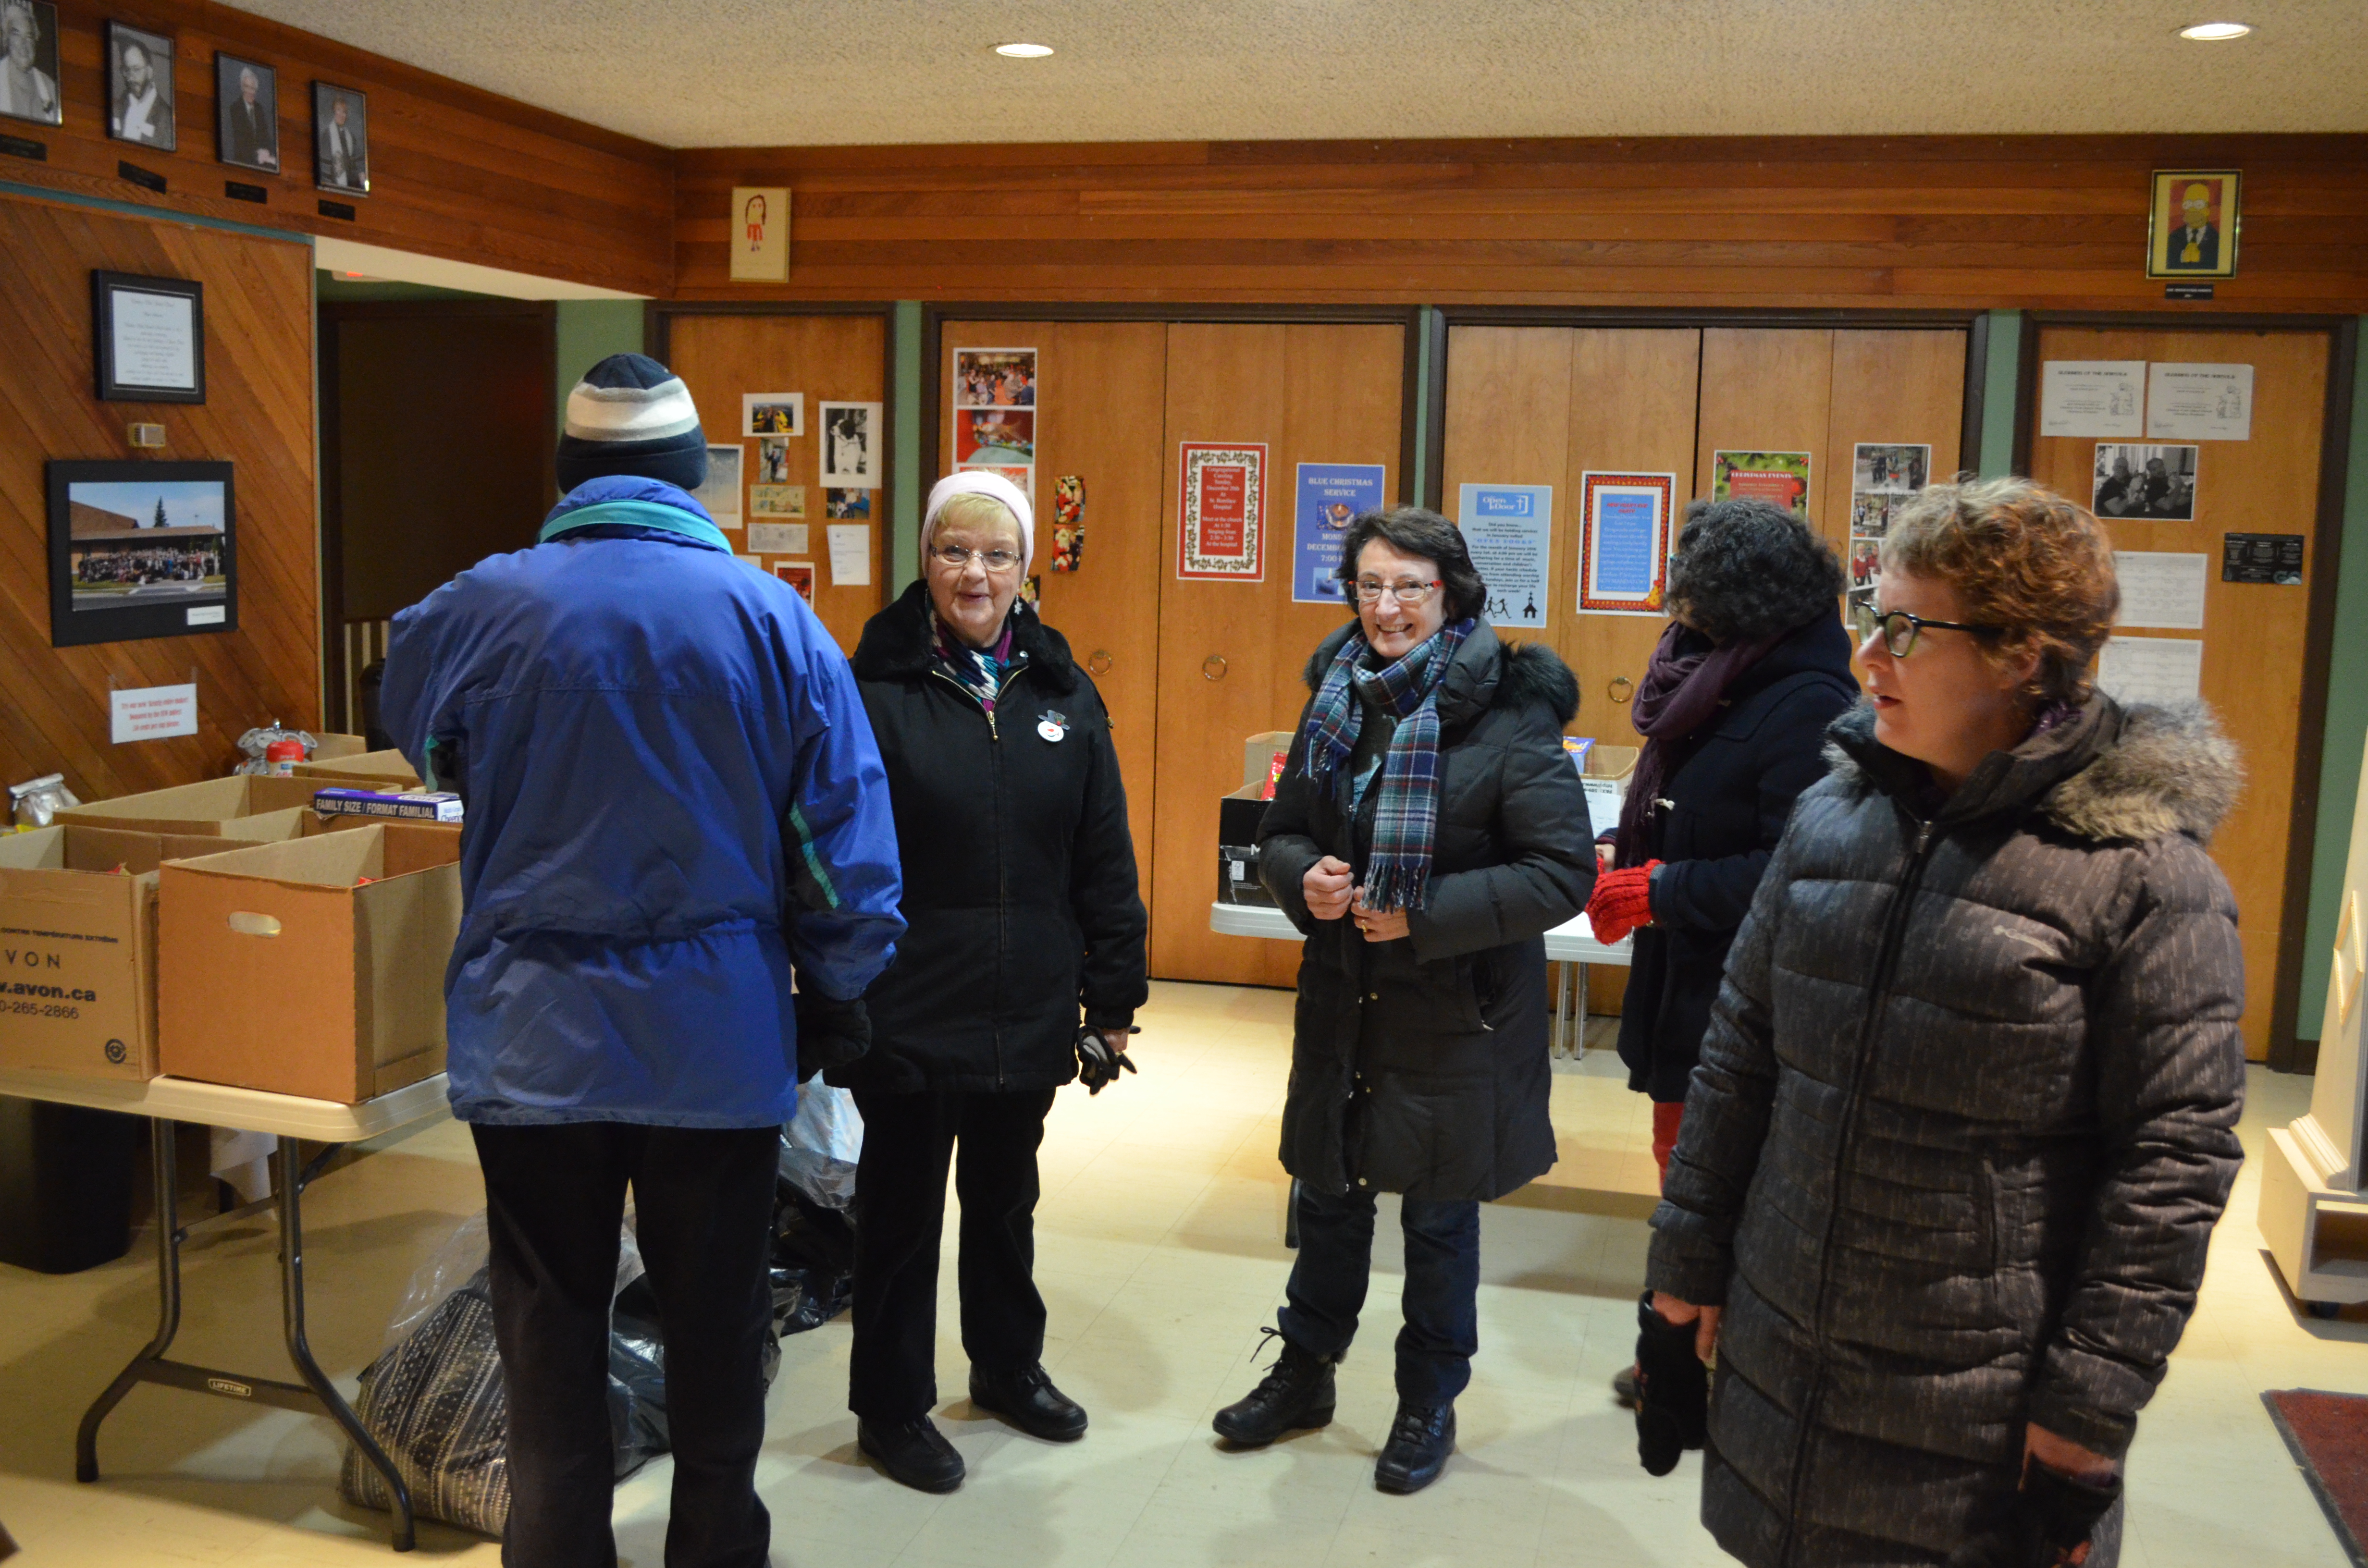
674,800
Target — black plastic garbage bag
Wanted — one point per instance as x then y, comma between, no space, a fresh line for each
814,1261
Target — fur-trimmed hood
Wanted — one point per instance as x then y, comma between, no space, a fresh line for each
2109,773
1489,672
899,644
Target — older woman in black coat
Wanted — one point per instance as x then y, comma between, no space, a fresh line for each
1021,913
1965,1115
1426,831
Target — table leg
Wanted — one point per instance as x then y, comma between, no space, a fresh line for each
1581,1030
300,1351
168,1298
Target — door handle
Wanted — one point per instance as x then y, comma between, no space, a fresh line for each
1621,690
1217,674
1098,664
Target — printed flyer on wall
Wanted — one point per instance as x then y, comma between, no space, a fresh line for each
1782,478
1331,496
1508,528
1221,512
1624,543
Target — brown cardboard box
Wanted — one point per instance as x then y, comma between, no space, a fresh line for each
370,770
246,806
78,949
279,968
1259,753
330,746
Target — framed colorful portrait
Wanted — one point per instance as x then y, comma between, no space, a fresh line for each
2192,227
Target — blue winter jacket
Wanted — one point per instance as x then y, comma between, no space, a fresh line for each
673,797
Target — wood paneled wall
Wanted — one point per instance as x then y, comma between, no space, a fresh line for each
257,416
1955,222
455,172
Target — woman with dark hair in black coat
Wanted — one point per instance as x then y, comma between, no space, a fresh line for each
1426,831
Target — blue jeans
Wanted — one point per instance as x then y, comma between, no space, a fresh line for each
1442,1287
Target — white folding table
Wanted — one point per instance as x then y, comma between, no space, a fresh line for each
1571,945
288,1118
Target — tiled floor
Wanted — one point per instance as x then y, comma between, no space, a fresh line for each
1159,1245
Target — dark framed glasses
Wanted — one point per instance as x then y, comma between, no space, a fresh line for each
1899,630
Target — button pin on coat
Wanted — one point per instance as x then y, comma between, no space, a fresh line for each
1053,724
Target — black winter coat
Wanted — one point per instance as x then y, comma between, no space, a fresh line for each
1419,1066
1730,794
1963,1122
1021,898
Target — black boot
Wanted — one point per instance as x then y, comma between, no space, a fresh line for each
914,1452
1027,1400
1296,1394
1420,1439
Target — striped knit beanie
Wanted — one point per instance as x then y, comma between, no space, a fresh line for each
631,415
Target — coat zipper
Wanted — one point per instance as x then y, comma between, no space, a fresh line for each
1002,868
1894,936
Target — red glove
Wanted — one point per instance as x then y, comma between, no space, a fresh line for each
1623,901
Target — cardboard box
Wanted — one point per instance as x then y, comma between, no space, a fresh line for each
280,968
1604,772
369,770
1261,761
341,800
246,806
331,746
78,949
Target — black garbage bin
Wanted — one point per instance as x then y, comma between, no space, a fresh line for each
65,1185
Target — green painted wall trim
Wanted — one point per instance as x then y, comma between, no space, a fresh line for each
584,333
2347,723
2001,379
911,487
1426,328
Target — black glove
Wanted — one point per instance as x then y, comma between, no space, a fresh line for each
1098,1064
831,1033
1672,1389
2045,1525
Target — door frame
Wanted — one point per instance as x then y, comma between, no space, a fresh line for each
2287,1053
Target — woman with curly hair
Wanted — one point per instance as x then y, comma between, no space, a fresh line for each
1965,1113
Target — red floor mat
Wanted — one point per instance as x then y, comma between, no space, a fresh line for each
2329,1435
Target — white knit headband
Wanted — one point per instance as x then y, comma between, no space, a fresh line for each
980,481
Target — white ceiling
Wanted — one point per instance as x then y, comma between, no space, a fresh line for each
768,73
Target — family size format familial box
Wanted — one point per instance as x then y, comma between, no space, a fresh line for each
313,967
78,948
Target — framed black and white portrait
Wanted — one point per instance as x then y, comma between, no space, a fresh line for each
851,445
141,549
340,140
29,61
246,114
139,87
148,337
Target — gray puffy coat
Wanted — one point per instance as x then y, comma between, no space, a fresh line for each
1419,1066
1962,1125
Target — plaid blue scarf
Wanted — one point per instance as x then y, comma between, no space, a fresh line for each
1405,817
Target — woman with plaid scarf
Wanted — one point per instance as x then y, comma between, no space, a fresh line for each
1426,831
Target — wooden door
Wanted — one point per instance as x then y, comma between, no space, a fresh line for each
2254,634
1102,389
834,357
1230,653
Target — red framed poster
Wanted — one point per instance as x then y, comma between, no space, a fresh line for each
1222,511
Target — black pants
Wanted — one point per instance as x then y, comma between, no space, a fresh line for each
1442,1287
900,1216
703,1207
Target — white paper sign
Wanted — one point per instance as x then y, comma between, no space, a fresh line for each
1508,528
2092,397
2199,403
778,538
2151,669
155,345
152,714
850,554
2161,588
1604,797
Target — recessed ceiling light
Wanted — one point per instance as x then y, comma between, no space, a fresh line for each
2216,32
1024,51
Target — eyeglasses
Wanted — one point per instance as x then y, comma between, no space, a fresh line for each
1408,593
1899,629
958,557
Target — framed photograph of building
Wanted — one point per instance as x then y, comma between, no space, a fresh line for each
139,87
141,549
340,139
247,113
2192,227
